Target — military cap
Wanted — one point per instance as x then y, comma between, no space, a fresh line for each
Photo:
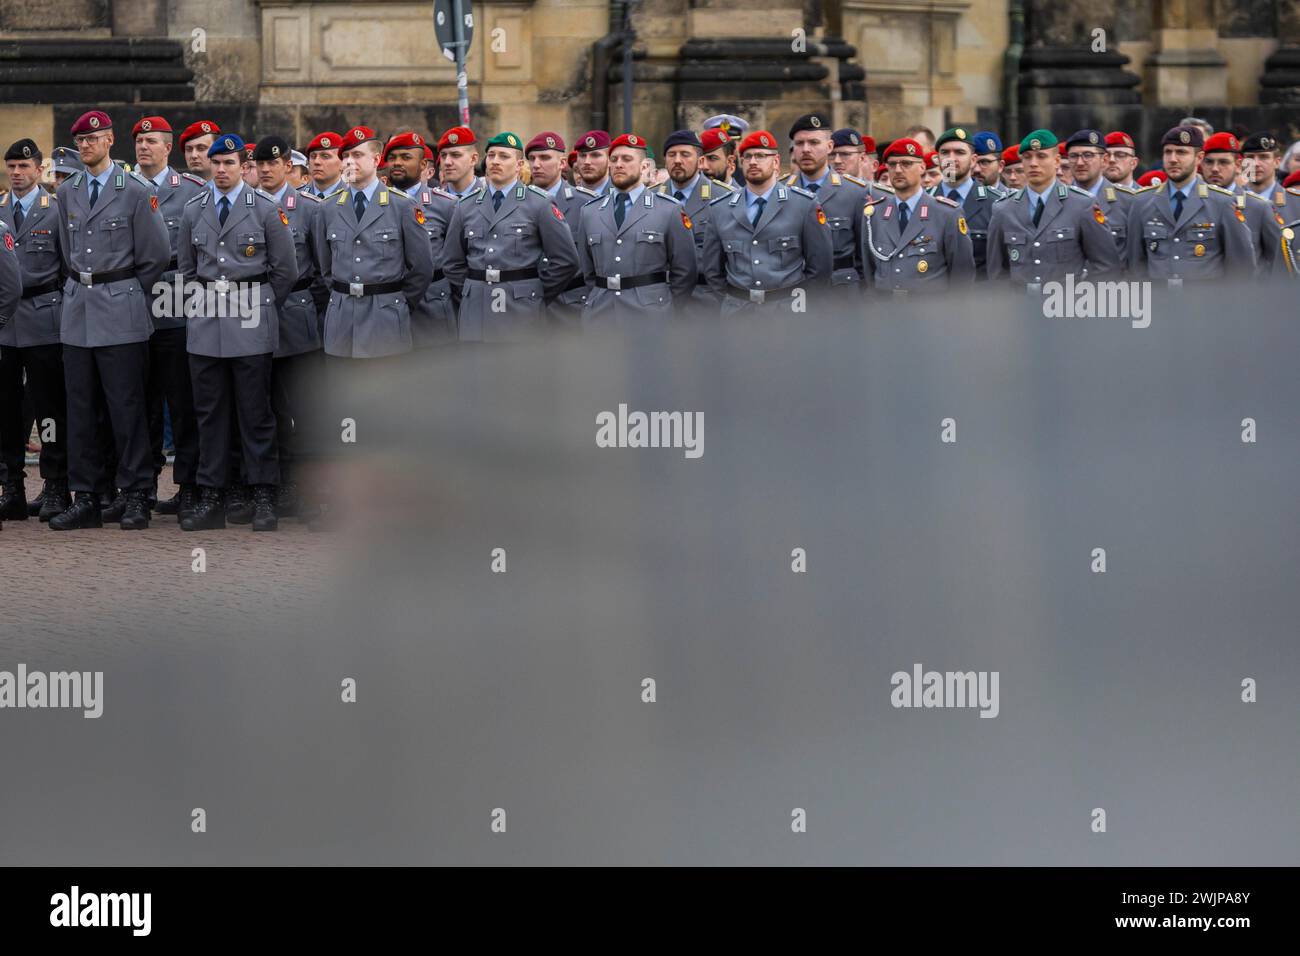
457,136
195,130
1119,138
297,159
1086,137
932,159
407,140
93,122
592,140
956,134
1152,177
905,147
271,147
1039,139
545,140
1011,155
632,140
356,136
811,121
325,140
1292,180
572,158
731,125
23,149
1183,136
712,139
150,124
759,139
226,143
1223,143
506,139
851,137
249,149
1060,148
682,137
64,159
1259,143
986,142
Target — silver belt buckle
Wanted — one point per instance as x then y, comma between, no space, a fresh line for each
1175,283
84,278
613,282
491,275
357,288
1033,288
758,296
222,286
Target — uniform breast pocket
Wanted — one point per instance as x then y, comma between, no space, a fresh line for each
734,248
649,235
1200,241
839,223
1063,243
39,248
1156,237
787,247
1015,243
523,237
173,223
251,244
117,232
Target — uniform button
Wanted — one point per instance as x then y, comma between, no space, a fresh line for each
89,250
222,243
755,242
1038,262
358,258
756,282
491,250
1037,243
755,262
358,242
618,258
518,230
1175,258
222,259
494,235
618,242
1175,240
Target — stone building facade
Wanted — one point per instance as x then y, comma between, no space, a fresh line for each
299,66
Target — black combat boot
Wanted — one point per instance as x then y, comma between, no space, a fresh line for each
82,513
287,500
239,504
170,506
34,506
13,501
209,514
264,508
55,498
189,501
135,514
114,510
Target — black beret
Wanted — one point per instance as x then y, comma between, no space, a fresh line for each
682,137
814,121
23,149
1087,137
1184,136
271,147
1259,143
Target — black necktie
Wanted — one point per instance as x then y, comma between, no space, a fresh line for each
223,210
902,217
496,199
1038,211
94,192
813,187
359,204
758,212
1178,205
954,196
18,216
620,208
679,196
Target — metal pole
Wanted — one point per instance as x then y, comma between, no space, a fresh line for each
462,78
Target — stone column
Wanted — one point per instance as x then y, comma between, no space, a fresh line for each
1185,68
1281,80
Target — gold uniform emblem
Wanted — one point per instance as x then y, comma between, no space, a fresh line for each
250,251
961,225
922,266
1199,250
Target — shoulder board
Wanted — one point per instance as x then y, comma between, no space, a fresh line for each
854,180
1255,196
264,194
594,198
196,197
194,179
439,191
1147,189
540,191
1081,192
399,192
802,192
140,179
671,198
1220,189
885,187
1125,189
471,194
725,185
723,198
307,196
1017,194
946,201
1293,190
794,178
585,191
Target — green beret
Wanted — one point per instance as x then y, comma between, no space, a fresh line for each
510,140
1039,139
958,133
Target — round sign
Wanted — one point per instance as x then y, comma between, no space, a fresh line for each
445,29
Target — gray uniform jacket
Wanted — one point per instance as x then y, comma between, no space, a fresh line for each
699,211
1265,225
1071,238
841,200
654,241
933,250
1116,202
1286,260
434,320
176,190
387,247
254,246
301,322
1208,241
1286,202
11,275
570,200
484,247
36,317
757,265
124,231
977,209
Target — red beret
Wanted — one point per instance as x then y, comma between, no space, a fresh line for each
1223,143
592,139
573,157
1120,139
932,159
1060,148
407,140
457,136
546,140
1292,180
759,139
1154,176
1011,155
869,143
630,139
905,147
428,153
248,150
150,124
325,140
356,136
195,130
711,139
92,122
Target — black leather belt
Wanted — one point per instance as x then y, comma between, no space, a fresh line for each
223,285
89,279
303,283
360,289
438,276
502,275
844,262
618,283
579,281
172,265
757,296
32,291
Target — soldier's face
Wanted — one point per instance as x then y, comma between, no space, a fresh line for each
625,167
812,150
760,166
404,167
931,177
94,147
1220,169
271,173
502,165
716,164
249,172
847,159
955,161
457,163
1014,175
905,173
683,162
297,176
1041,166
196,156
989,169
152,149
326,166
360,164
23,174
545,164
1086,163
1181,162
1120,164
1261,167
593,165
226,170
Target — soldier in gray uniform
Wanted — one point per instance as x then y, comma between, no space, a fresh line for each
1085,151
169,369
433,321
1220,167
635,245
1048,230
1261,152
29,341
64,163
913,241
297,380
957,165
988,161
545,155
236,242
767,240
689,184
509,251
1285,262
115,248
840,198
1186,228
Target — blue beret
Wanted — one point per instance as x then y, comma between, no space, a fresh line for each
986,142
226,143
1087,137
846,137
682,137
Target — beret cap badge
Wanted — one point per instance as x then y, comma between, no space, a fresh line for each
94,122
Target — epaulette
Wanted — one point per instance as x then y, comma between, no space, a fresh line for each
1002,197
854,180
1293,190
194,179
540,191
196,197
946,201
723,198
883,186
470,195
1147,189
866,208
1017,194
723,183
594,198
1125,189
1251,195
140,179
308,196
1220,189
399,192
439,191
584,189
802,192
1082,192
264,194
794,178
670,197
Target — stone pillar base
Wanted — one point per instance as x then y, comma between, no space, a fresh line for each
1281,80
